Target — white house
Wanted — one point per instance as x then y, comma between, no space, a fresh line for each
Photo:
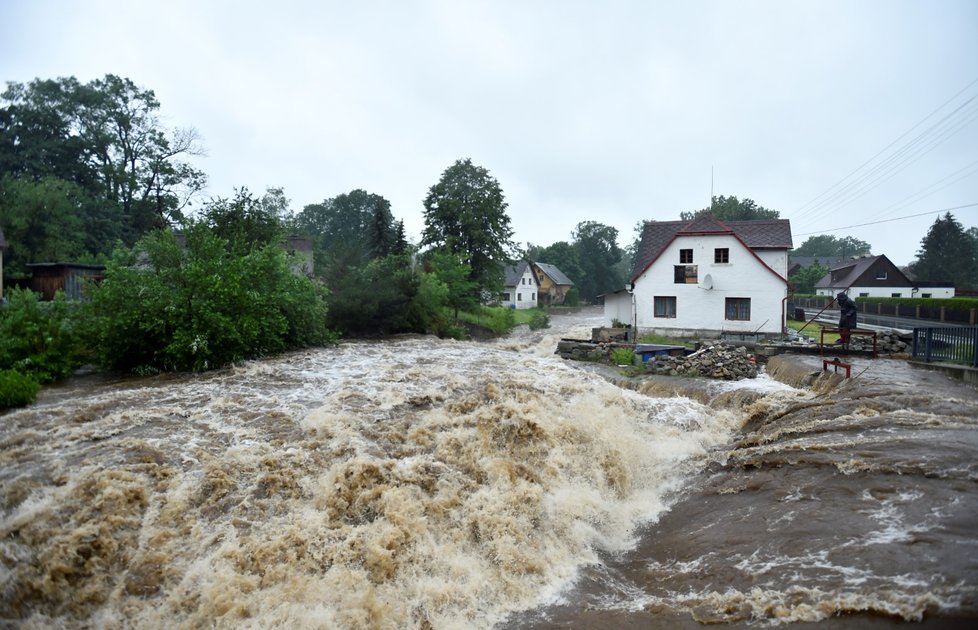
876,276
521,288
706,277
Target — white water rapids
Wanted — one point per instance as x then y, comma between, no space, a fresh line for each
414,482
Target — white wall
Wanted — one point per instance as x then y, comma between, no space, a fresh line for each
699,309
618,306
526,293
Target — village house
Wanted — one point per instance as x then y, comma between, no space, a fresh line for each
876,276
708,277
520,287
71,278
553,284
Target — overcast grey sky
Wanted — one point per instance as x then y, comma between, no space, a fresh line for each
583,110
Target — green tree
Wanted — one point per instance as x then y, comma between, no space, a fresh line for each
44,220
452,272
243,221
107,137
828,246
202,306
598,255
351,228
733,209
465,214
804,281
947,253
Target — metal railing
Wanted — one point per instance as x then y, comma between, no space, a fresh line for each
948,345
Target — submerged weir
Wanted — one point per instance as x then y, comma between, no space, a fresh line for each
421,483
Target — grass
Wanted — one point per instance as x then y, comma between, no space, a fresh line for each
812,330
501,320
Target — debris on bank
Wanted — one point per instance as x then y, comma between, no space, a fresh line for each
719,361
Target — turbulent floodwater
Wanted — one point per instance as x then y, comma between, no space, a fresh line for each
428,483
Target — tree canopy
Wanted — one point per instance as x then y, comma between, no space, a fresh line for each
93,162
828,246
947,253
592,259
733,209
465,214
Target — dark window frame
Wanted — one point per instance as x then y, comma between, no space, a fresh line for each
686,257
736,309
666,301
721,255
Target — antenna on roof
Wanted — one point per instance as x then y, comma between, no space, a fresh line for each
711,189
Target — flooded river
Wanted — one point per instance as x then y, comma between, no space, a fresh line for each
417,483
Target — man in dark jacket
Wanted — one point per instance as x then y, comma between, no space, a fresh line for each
847,317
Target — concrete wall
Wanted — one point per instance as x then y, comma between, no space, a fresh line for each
700,309
618,306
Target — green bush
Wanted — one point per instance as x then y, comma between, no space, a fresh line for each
16,389
163,307
622,356
496,318
41,338
573,297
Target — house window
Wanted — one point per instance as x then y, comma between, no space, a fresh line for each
519,297
721,255
926,295
881,275
522,280
686,256
864,295
685,274
738,309
894,295
533,297
664,306
505,297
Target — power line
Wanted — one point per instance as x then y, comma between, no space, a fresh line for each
909,216
884,149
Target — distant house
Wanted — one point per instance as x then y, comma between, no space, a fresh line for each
554,285
708,276
876,276
3,246
520,288
301,248
49,278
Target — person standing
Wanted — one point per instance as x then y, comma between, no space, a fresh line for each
847,317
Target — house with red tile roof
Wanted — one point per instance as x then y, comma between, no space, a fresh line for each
706,277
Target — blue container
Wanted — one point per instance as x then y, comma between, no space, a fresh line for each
650,350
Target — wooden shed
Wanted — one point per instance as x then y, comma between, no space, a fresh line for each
49,278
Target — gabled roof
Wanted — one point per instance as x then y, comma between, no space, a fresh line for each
554,274
515,272
827,261
657,235
849,273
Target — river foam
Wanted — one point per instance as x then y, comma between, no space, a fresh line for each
414,483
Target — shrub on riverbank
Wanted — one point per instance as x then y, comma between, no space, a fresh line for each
164,307
40,338
17,389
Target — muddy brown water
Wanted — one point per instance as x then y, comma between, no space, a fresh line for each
426,483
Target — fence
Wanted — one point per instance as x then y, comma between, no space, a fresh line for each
948,345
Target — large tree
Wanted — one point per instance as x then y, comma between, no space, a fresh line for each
102,142
598,255
355,227
465,214
828,246
947,253
733,209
